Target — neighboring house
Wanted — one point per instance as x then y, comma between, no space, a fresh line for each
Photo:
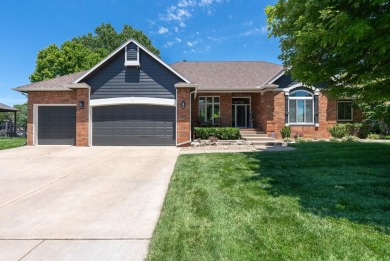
133,98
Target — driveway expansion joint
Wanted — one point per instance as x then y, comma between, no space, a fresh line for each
31,250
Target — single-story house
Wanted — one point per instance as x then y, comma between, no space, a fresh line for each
132,97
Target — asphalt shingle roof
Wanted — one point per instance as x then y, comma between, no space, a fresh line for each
6,108
228,75
54,84
208,76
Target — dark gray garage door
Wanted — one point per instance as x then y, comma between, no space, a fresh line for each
133,125
56,125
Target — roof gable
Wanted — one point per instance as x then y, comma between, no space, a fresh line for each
122,47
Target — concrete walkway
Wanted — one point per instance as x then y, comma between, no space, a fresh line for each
68,203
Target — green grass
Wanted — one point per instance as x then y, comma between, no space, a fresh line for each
323,201
8,143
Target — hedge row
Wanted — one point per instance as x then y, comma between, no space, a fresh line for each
227,133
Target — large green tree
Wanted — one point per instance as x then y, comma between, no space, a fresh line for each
81,53
344,43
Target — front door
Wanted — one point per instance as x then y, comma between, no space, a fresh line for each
240,112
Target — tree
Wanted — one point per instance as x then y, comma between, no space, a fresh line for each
343,43
81,53
21,116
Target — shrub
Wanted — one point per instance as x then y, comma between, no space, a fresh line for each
286,132
374,136
358,129
338,130
350,138
227,133
341,130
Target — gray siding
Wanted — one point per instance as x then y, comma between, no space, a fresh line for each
132,52
286,81
151,79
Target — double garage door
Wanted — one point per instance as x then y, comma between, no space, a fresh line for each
127,125
120,125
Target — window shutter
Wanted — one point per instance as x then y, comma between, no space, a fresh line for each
316,120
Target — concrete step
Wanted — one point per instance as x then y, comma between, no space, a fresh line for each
257,138
269,143
252,130
253,135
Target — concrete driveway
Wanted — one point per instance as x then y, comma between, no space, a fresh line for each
68,203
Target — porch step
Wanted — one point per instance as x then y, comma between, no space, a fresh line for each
259,137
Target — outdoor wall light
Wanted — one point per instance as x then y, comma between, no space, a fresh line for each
81,104
183,104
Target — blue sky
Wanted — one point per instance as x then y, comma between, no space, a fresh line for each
193,30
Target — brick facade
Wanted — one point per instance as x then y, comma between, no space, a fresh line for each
269,113
61,97
183,125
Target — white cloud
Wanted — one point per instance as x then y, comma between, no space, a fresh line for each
216,39
163,30
193,43
250,23
184,10
168,44
262,30
178,39
175,14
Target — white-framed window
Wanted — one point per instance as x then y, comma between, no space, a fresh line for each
344,111
209,109
301,107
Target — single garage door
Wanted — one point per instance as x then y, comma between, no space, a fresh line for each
133,125
57,125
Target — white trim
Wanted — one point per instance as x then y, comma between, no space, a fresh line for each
297,99
132,100
36,118
277,76
212,103
132,63
120,48
337,110
300,84
89,120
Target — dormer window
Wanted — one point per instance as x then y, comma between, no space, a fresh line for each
132,55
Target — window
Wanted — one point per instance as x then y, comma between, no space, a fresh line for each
209,109
344,111
300,107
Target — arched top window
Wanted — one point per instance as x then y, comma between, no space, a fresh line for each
301,94
300,107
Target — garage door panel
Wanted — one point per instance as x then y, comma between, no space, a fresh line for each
56,125
134,125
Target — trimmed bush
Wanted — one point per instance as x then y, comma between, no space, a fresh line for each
341,130
338,130
286,132
227,133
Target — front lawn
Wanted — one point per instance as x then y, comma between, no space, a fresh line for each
8,143
323,201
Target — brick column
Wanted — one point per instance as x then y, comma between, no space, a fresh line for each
183,124
82,118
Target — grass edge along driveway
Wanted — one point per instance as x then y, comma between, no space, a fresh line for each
8,143
323,201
